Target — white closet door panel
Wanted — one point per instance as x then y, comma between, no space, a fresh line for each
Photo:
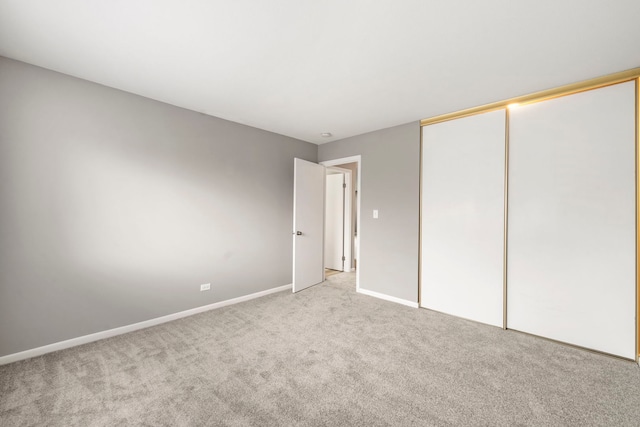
463,217
571,237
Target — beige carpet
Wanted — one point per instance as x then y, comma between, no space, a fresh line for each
329,272
323,357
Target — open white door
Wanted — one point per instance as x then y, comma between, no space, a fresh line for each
308,224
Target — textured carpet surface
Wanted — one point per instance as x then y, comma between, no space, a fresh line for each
324,356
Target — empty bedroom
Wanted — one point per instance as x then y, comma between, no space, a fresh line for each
337,213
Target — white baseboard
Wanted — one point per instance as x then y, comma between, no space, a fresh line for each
39,351
388,298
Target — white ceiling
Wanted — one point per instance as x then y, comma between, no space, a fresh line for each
302,67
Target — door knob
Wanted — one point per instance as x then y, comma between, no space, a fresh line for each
298,233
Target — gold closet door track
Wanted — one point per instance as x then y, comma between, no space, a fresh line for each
611,79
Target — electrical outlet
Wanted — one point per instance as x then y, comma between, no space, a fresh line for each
205,287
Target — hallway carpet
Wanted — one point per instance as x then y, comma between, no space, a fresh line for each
323,357
329,272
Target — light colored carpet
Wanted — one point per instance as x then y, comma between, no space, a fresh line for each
323,357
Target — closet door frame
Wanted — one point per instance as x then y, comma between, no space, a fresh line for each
596,83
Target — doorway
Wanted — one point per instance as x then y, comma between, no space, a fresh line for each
342,216
337,220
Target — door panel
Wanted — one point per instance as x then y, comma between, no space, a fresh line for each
308,224
571,248
463,217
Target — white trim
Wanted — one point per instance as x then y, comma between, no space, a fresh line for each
411,304
357,159
342,161
39,351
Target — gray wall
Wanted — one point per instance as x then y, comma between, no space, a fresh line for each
390,179
114,208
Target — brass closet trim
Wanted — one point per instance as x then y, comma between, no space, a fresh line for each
506,219
570,89
420,225
637,160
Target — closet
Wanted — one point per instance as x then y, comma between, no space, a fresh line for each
528,214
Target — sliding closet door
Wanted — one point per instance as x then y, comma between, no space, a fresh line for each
462,217
571,235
